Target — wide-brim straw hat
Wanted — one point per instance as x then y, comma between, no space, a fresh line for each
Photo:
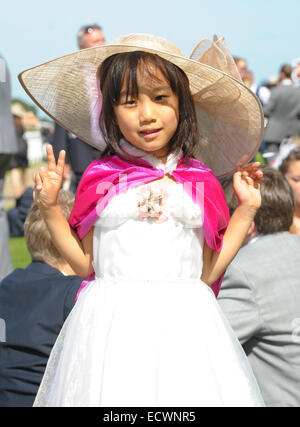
229,114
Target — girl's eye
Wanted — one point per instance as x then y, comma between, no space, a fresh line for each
160,97
296,179
130,102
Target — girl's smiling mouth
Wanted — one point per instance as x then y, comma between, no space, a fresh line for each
150,133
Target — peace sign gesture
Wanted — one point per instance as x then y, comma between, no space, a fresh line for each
48,182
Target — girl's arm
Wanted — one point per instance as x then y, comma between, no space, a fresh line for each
247,189
79,254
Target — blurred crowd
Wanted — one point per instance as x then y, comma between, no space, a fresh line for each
280,100
261,289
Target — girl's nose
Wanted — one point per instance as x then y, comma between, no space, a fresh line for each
147,111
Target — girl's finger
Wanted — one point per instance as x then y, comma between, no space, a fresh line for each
45,176
256,164
251,166
61,162
237,179
257,174
51,158
249,180
38,182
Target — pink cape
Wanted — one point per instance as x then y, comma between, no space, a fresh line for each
109,176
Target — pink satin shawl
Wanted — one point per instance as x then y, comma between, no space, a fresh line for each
109,176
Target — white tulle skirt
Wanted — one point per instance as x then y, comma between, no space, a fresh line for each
147,343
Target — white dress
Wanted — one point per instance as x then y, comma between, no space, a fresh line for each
147,331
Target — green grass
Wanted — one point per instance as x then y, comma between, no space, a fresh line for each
19,253
259,158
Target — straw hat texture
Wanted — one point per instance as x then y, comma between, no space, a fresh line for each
229,115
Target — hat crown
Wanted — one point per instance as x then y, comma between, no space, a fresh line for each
148,41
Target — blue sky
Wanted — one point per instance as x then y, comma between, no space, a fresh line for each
265,32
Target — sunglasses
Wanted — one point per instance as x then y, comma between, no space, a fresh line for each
90,28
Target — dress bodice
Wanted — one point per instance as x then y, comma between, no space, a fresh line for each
153,231
150,232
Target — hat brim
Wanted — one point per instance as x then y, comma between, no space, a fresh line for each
230,116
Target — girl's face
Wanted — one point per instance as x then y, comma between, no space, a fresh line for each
293,177
149,120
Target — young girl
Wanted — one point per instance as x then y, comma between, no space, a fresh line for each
149,221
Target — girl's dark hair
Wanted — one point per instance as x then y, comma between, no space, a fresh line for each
277,202
294,156
277,208
122,67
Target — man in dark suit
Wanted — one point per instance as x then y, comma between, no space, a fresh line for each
260,293
16,216
34,303
283,113
79,153
8,146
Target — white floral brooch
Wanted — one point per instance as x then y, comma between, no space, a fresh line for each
151,203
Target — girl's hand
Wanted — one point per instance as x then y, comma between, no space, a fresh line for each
48,181
246,185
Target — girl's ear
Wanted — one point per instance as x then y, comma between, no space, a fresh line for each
252,230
